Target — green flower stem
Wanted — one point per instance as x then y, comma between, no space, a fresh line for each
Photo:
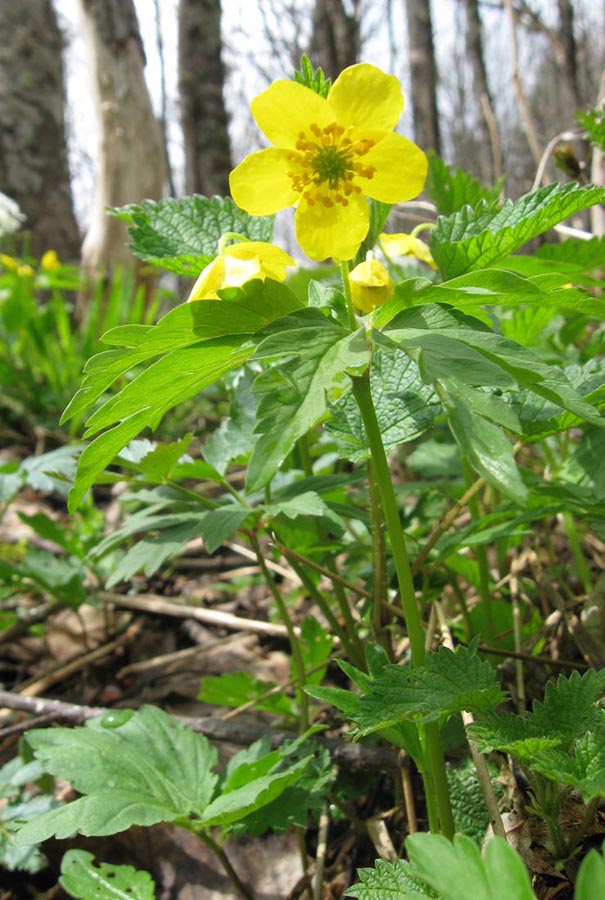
297,659
380,613
437,782
222,857
482,564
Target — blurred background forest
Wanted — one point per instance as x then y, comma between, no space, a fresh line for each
108,102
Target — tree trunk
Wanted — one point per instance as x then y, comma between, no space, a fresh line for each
485,164
201,84
33,150
335,38
569,50
424,75
132,162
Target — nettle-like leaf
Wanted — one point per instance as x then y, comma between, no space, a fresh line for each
182,235
447,683
457,871
450,188
390,881
468,806
195,345
312,353
477,237
449,343
582,765
83,880
405,406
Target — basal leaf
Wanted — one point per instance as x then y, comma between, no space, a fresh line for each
83,880
476,237
457,871
132,771
312,354
182,235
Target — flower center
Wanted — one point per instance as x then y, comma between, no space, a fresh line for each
327,165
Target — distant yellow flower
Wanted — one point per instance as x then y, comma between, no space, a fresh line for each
371,285
25,270
10,264
329,154
50,261
239,263
407,245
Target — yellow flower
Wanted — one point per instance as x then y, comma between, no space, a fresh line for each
328,155
406,245
371,285
50,261
25,270
10,264
239,263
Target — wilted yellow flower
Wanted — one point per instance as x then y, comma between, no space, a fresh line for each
50,261
239,263
371,285
407,245
328,155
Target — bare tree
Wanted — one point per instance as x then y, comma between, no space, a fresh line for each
335,37
201,87
487,163
132,162
33,151
424,74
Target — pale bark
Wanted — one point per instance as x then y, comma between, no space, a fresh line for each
33,150
201,87
132,162
486,165
424,75
335,39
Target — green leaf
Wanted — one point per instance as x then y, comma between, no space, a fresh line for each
312,78
158,464
450,188
474,238
144,770
446,684
590,882
235,436
312,354
405,406
182,235
582,765
315,648
468,805
234,689
390,881
85,881
457,871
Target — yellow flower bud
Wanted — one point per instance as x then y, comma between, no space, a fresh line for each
371,285
239,263
406,245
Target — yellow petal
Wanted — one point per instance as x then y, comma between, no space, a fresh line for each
50,261
270,260
371,285
210,280
364,96
335,231
260,184
286,108
406,245
401,169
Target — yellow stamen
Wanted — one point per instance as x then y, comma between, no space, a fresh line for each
327,165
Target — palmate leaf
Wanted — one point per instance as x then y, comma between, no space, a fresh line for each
182,235
405,406
446,684
476,237
144,770
312,353
83,880
195,345
457,871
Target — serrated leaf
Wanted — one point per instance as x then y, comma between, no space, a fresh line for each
582,765
83,880
468,804
457,871
158,464
405,406
235,436
234,689
476,237
345,701
182,235
313,354
450,188
390,881
446,684
145,770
